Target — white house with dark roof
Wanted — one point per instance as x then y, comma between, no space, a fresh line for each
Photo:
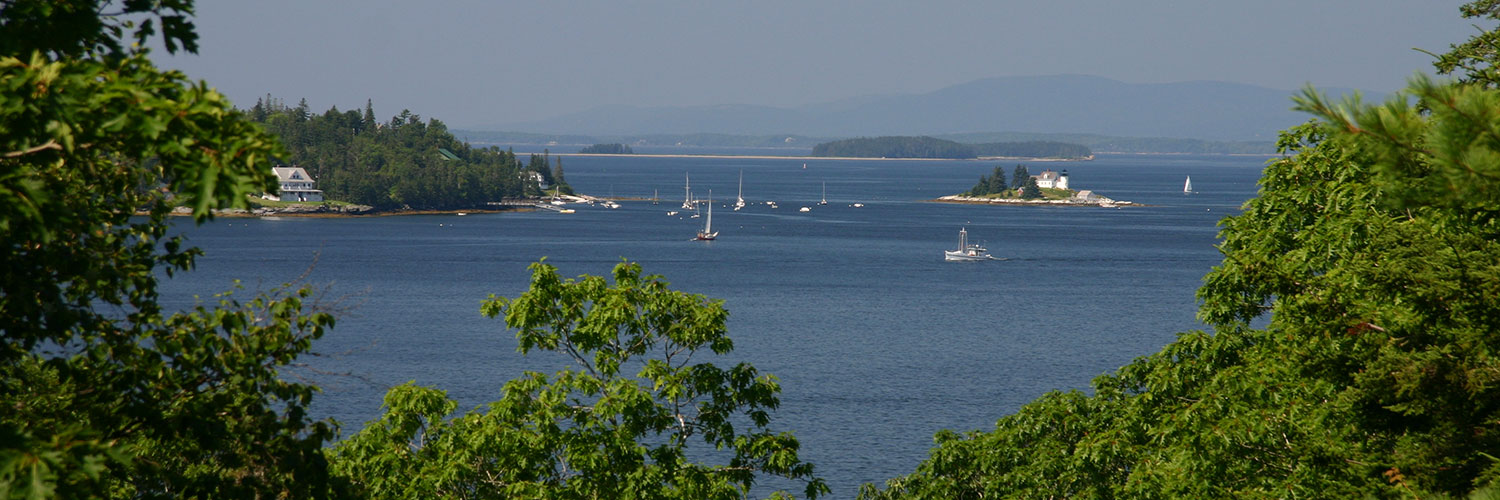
295,185
1051,179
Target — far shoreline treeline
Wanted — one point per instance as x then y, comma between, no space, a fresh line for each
1096,143
932,147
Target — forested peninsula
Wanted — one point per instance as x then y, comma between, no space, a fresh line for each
924,147
403,163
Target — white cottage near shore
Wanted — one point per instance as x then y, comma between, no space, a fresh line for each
295,185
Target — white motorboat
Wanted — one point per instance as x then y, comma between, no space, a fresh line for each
805,209
966,251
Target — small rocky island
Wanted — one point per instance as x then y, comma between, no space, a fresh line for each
1047,188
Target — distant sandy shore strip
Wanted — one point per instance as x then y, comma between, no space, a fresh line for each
804,158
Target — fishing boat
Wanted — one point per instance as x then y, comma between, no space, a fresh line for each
708,233
740,200
966,251
1187,186
824,201
687,193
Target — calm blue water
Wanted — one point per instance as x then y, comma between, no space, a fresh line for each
877,341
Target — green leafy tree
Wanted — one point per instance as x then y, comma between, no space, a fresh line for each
617,425
104,394
1370,257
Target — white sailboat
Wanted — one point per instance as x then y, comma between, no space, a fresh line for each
966,251
654,198
687,192
825,194
1187,186
740,201
708,233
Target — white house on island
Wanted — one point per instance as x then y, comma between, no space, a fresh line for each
295,185
1050,179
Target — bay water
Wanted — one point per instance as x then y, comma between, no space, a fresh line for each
878,343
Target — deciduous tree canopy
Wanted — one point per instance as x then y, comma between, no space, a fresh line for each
619,424
104,394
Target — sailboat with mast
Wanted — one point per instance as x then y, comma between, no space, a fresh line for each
740,200
1187,186
687,192
708,233
824,201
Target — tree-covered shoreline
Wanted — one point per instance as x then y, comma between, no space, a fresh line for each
925,147
403,163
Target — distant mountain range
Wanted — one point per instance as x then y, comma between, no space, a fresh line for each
1076,104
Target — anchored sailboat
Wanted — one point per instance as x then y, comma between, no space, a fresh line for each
740,201
1187,186
708,233
687,192
825,194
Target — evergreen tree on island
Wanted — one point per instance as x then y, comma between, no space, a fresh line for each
558,181
1019,177
989,184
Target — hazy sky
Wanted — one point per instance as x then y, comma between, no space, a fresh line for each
473,63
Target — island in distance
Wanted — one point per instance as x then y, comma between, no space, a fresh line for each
925,147
1049,188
